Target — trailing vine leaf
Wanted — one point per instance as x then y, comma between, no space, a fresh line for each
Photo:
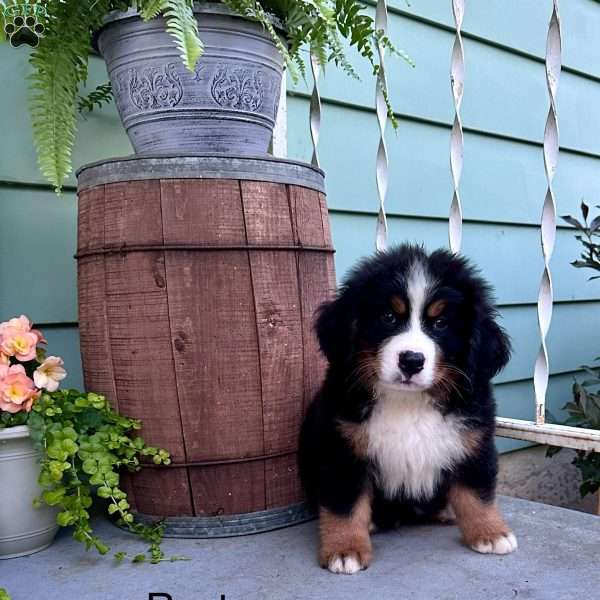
85,444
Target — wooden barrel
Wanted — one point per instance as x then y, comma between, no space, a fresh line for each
198,279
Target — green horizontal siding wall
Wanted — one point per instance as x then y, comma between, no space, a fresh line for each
502,188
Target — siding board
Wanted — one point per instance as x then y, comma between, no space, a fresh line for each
520,25
37,244
502,181
509,256
504,92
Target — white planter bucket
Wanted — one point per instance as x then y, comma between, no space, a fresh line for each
24,529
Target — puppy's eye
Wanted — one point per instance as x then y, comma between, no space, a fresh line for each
440,324
389,318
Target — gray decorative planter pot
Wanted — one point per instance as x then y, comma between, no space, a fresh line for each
228,105
23,528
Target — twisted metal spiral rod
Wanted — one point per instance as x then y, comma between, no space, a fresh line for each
381,164
315,109
457,77
548,222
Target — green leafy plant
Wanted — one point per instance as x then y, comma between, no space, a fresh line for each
584,409
60,60
4,594
99,96
84,443
588,234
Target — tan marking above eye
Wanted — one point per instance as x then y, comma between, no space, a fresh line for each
435,309
398,305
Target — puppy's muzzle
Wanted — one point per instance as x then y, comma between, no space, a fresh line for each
411,362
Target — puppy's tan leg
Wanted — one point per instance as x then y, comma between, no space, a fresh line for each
345,541
481,524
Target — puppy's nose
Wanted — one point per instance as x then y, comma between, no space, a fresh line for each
411,362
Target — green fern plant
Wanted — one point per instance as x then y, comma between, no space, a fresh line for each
182,25
60,61
100,95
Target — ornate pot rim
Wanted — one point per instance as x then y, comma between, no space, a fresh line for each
207,7
214,8
14,433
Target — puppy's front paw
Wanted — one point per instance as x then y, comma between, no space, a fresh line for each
501,544
345,545
346,563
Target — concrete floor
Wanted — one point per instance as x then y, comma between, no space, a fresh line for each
558,559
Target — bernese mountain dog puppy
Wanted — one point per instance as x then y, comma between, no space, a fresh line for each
403,426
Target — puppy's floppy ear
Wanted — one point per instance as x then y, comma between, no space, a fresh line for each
335,327
490,347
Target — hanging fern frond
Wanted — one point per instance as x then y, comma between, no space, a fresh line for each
255,10
182,25
59,67
100,95
3,37
149,9
53,115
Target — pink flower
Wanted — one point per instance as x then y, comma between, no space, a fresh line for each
50,373
22,324
22,345
4,359
17,391
18,339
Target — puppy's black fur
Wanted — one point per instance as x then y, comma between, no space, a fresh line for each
333,474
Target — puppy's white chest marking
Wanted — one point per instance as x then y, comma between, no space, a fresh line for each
412,443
